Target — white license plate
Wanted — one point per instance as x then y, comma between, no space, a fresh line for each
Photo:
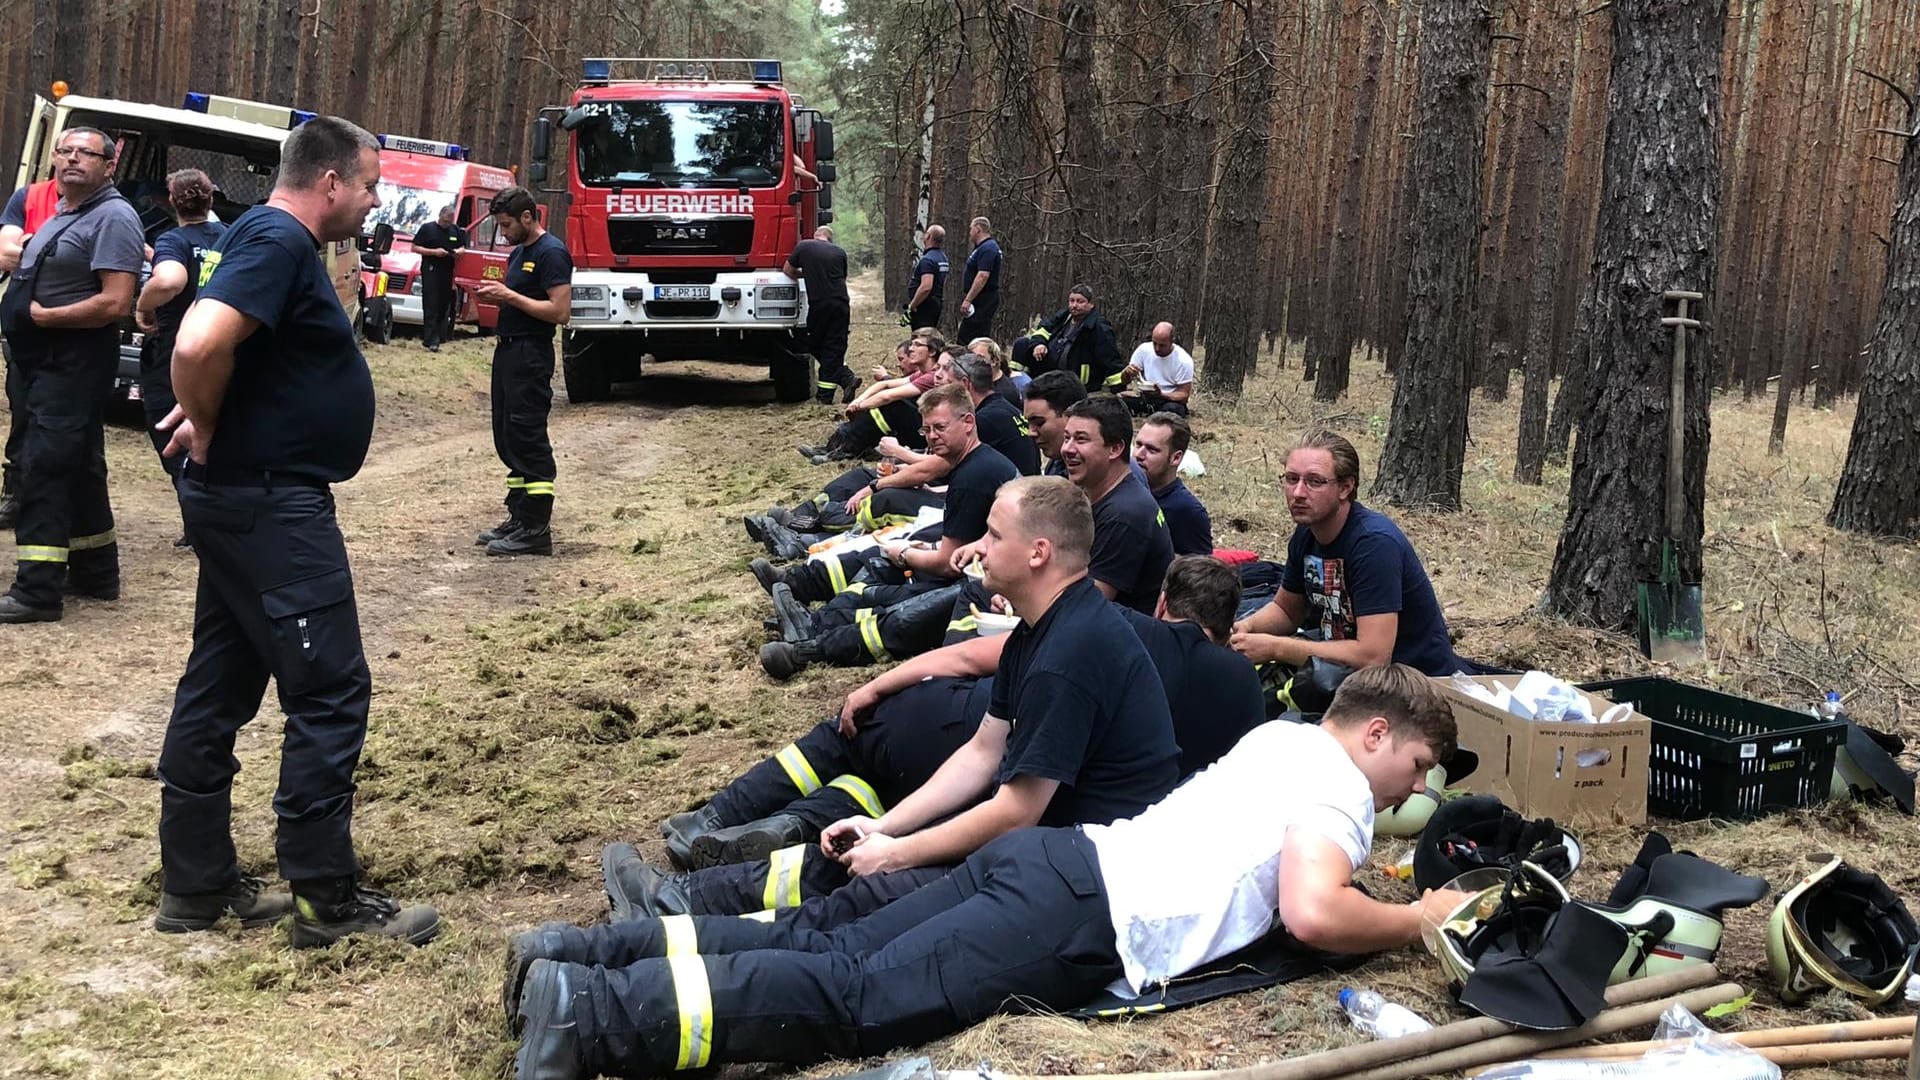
679,292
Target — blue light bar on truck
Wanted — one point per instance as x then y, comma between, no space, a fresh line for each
600,70
254,112
429,147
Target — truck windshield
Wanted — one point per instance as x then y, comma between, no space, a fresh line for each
407,208
681,143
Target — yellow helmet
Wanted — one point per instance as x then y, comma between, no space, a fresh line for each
1841,929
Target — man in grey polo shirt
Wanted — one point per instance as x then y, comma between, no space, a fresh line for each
75,282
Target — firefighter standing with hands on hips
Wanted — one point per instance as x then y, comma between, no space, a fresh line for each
536,297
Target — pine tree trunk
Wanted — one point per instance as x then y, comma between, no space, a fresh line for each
1877,493
1427,437
1344,302
1659,225
1531,451
1232,325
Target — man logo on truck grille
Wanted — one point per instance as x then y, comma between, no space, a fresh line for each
679,232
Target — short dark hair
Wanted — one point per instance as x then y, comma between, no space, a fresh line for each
1059,389
935,343
189,192
1179,432
106,141
1116,423
1083,290
1346,460
1411,704
974,370
321,145
513,202
1204,590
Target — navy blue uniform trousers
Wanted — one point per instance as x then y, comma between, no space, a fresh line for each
1024,919
275,598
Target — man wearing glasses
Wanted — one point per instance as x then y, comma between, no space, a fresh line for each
61,310
1351,572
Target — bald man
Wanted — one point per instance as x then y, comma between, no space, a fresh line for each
1160,375
928,287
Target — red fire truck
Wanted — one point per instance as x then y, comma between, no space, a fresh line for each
417,178
684,196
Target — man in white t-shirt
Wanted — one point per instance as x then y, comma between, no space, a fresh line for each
1160,375
1047,917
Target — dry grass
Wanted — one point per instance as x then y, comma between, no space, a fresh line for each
529,712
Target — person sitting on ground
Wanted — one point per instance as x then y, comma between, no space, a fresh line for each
885,620
1158,448
885,408
1350,572
1131,547
880,371
1002,425
1272,834
1047,399
1159,375
1008,383
1077,730
895,730
1076,339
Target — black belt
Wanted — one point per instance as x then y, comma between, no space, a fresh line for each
225,476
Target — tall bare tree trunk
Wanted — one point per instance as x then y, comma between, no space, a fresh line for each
1232,325
1537,362
1659,225
1427,436
1343,296
1878,493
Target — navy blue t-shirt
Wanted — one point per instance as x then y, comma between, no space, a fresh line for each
16,211
932,261
301,398
1187,520
185,245
1131,547
1371,569
971,487
1004,428
985,257
1212,691
532,269
1087,709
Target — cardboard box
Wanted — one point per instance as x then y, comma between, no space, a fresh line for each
1537,768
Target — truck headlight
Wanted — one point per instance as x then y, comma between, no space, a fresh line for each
779,292
592,294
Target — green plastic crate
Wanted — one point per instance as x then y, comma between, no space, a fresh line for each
1718,755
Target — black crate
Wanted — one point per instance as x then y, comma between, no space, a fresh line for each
1717,755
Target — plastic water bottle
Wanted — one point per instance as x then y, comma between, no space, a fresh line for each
1829,707
1378,1017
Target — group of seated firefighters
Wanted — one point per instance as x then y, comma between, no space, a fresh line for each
1096,801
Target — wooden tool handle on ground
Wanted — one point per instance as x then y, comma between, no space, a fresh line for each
1849,1031
1348,1059
1518,1046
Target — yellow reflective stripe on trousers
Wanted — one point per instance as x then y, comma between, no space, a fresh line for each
759,916
693,999
1113,379
966,624
40,553
514,483
97,540
540,487
861,791
868,621
783,878
858,588
681,938
798,769
1086,374
865,517
836,574
880,422
825,385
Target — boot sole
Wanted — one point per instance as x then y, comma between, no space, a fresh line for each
623,910
168,924
307,936
752,847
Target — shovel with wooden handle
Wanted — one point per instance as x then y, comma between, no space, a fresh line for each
1672,617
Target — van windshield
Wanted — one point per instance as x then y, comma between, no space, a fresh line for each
407,208
681,143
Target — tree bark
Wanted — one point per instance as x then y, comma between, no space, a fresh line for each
1537,364
1232,326
1659,225
1427,436
1343,299
1877,492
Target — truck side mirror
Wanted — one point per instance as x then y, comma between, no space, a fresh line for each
827,172
823,140
542,141
380,241
537,170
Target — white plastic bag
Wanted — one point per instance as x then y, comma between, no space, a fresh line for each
1695,1053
